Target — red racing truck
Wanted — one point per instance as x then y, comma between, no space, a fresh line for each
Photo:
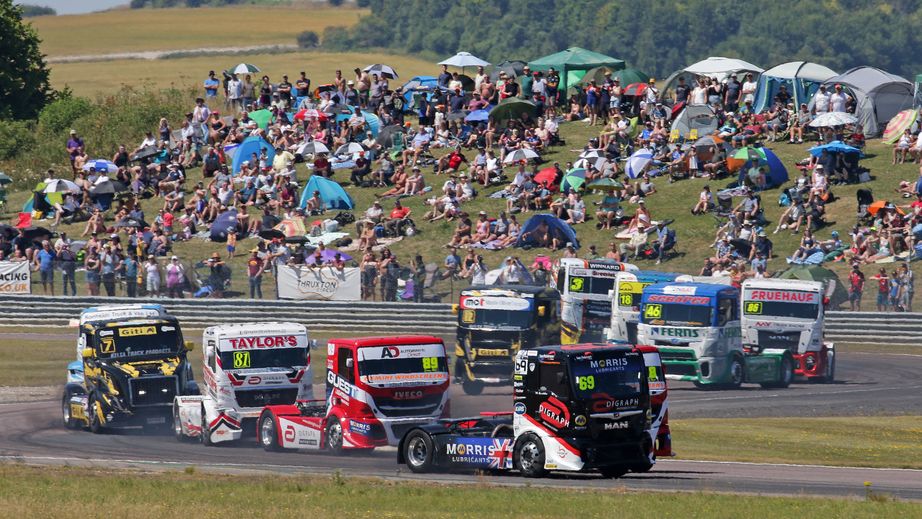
377,389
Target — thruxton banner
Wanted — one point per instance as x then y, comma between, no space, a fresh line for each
323,283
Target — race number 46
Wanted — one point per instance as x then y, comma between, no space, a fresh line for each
653,311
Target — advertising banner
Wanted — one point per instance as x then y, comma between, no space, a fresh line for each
15,277
324,283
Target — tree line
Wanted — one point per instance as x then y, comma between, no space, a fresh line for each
656,36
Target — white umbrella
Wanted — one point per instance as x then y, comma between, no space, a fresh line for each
638,161
833,119
313,148
465,59
519,155
245,68
59,185
596,163
349,149
591,154
381,70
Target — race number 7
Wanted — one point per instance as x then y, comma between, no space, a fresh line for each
653,311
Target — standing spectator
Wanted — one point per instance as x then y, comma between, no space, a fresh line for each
883,290
452,263
838,100
255,269
200,116
44,262
235,93
249,92
896,288
284,92
108,262
175,277
129,269
391,274
748,92
303,85
821,101
74,145
68,262
92,267
153,276
907,278
419,278
211,85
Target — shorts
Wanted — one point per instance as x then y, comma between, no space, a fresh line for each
47,276
855,296
231,249
883,298
153,284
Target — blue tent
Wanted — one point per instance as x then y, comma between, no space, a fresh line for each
776,175
557,228
415,85
250,145
225,222
372,121
332,194
801,79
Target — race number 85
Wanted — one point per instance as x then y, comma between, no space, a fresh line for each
241,359
653,311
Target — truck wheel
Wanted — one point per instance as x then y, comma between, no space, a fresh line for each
93,408
268,433
472,387
615,472
205,437
528,457
69,421
786,374
737,373
177,426
830,375
334,436
417,451
640,468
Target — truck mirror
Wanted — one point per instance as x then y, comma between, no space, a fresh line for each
350,363
189,345
86,353
542,310
454,309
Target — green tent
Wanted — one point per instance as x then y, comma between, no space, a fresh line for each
630,75
817,273
573,63
626,76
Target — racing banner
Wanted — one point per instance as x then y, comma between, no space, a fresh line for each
324,283
15,277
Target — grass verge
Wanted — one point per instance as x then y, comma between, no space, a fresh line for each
879,441
61,492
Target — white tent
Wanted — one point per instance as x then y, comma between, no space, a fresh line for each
879,95
721,68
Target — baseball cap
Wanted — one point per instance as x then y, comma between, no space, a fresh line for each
174,258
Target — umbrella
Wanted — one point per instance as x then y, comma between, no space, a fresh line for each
34,233
8,231
591,154
898,124
102,186
750,154
244,68
328,255
634,89
520,155
546,176
145,153
638,161
271,234
833,147
292,227
478,116
261,117
129,222
381,71
606,184
387,135
465,59
457,116
5,179
59,185
833,119
101,166
512,68
512,108
349,149
313,148
877,205
310,113
574,178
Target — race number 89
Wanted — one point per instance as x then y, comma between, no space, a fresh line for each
241,359
430,363
653,311
586,383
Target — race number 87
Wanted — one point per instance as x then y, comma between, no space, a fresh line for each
241,359
653,311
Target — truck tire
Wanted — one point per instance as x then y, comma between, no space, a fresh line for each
528,457
472,387
333,434
205,437
786,373
267,433
615,472
737,372
641,468
67,417
177,426
830,375
418,451
94,424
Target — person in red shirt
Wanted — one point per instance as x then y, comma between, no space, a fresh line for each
255,268
452,161
883,290
167,219
398,214
855,287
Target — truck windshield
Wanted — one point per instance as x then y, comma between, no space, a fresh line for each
264,358
588,285
612,380
677,314
756,309
630,294
519,319
133,342
403,365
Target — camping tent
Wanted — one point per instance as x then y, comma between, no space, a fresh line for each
716,67
817,273
332,194
557,228
225,222
625,77
776,174
802,79
695,117
250,145
917,93
573,63
418,85
878,94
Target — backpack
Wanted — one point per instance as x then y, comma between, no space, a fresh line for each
344,218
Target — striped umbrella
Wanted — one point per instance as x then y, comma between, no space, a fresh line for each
519,155
245,68
574,178
638,161
101,166
381,71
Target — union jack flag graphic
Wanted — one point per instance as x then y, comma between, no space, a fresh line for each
501,458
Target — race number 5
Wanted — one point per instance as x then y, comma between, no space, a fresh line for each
241,359
653,311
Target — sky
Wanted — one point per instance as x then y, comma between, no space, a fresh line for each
74,6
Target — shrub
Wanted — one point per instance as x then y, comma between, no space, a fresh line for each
15,137
308,40
61,113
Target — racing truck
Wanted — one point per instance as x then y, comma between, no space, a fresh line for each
494,323
585,288
377,388
696,327
788,314
625,296
133,364
576,408
246,367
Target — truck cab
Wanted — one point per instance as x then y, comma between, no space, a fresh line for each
246,367
788,315
575,408
494,323
377,388
696,327
585,288
132,369
626,293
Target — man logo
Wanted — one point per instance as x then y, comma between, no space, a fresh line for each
390,352
580,420
519,408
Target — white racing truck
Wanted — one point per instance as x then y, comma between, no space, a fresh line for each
788,314
246,368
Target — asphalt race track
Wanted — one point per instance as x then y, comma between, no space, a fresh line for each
871,384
